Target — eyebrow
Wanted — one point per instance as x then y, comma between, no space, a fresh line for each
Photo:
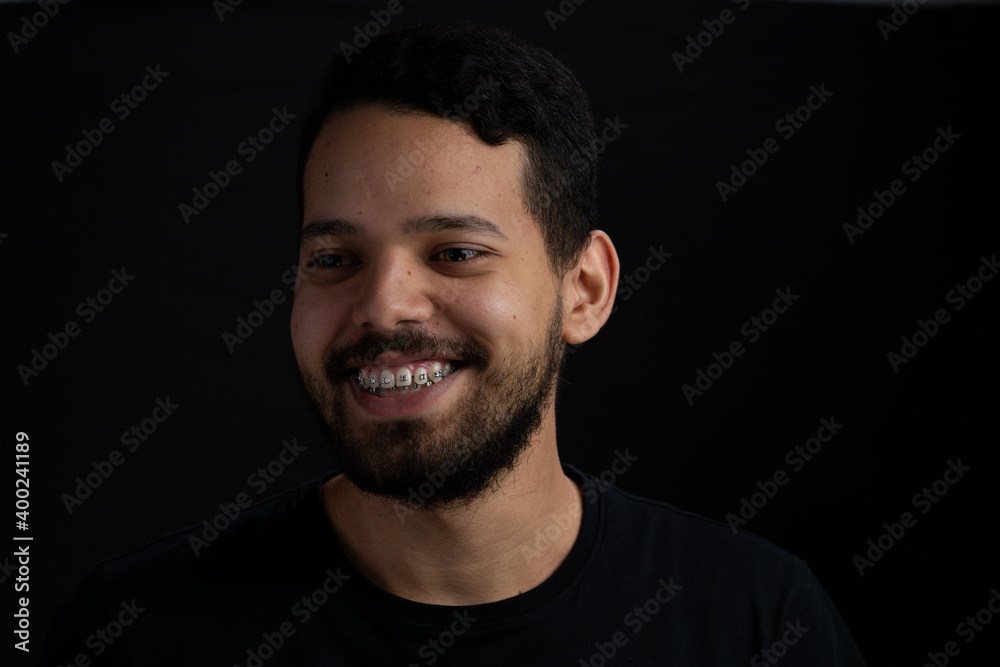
425,225
470,223
332,227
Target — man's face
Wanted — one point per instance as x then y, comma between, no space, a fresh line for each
418,258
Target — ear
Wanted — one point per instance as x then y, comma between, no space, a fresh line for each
589,289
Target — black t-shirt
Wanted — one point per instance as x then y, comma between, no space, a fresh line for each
644,584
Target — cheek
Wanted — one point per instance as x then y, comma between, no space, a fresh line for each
500,311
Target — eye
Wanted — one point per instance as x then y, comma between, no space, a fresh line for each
329,261
454,255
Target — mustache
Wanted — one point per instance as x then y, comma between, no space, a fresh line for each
368,345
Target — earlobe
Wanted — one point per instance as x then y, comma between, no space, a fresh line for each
590,288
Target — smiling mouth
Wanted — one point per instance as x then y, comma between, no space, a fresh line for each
395,381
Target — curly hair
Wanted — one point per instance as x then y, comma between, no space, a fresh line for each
502,88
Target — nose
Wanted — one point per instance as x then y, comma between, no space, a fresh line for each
393,292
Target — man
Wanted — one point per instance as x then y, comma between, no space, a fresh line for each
448,254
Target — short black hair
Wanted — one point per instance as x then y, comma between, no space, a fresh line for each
501,87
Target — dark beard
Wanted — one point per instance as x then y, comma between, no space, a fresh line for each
431,466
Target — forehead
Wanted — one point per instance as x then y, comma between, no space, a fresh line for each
379,170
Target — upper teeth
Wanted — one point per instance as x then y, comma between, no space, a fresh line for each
408,376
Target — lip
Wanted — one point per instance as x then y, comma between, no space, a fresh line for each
407,405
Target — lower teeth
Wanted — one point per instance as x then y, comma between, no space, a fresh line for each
409,389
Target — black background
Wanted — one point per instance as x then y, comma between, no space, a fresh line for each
825,358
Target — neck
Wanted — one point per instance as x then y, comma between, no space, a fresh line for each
475,553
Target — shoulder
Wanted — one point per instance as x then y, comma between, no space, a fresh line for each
195,581
643,524
728,583
652,539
